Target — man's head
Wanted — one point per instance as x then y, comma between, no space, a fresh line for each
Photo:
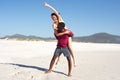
61,27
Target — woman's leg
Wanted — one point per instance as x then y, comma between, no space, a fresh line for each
58,59
71,49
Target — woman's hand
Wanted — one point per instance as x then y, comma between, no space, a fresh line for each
45,4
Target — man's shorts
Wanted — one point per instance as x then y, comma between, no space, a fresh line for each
59,51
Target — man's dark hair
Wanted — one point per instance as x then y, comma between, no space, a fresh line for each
61,26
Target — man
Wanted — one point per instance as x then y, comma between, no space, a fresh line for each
61,47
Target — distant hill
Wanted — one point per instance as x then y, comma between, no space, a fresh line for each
99,38
23,37
95,38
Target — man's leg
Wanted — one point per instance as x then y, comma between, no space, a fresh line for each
69,65
51,64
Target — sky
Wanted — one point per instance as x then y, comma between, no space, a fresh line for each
83,17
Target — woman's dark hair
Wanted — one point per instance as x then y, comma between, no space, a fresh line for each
55,15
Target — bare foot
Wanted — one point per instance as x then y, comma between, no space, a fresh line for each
69,75
74,65
56,63
48,71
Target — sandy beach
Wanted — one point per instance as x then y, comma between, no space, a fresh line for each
28,60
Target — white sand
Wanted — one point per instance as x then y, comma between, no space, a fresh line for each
28,60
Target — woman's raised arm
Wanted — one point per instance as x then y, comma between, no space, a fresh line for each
54,10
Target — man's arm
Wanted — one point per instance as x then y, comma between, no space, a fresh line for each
62,33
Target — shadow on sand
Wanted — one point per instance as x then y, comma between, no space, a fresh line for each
33,67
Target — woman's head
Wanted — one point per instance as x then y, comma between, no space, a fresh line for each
55,17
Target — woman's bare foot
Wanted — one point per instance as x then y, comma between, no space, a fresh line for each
74,65
48,71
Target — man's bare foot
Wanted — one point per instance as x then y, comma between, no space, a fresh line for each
48,71
69,75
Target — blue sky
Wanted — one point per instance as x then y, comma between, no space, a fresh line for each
83,17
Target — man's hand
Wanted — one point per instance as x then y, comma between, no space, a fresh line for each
70,33
67,32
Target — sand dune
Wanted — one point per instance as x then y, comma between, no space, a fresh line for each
28,60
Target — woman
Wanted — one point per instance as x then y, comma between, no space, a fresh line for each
56,19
